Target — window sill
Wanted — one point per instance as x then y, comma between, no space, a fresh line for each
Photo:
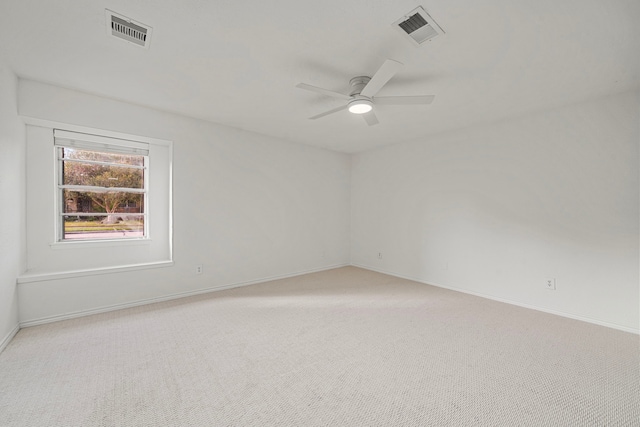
28,278
76,244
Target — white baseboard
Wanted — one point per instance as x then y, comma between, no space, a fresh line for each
7,339
82,313
507,301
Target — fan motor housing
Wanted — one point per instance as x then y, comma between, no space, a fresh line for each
358,83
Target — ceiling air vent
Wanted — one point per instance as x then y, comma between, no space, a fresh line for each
419,26
128,30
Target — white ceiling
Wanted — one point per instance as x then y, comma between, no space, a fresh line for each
237,62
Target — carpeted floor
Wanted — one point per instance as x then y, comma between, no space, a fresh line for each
345,347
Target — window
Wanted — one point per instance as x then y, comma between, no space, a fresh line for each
102,187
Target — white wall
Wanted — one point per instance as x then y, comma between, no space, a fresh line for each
496,210
493,210
12,204
246,206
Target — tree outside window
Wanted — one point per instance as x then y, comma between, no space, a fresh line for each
102,194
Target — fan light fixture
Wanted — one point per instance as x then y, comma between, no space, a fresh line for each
360,106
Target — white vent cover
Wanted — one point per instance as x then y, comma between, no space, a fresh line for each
128,30
418,26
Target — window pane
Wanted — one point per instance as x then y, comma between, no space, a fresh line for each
112,202
102,213
76,173
103,227
127,159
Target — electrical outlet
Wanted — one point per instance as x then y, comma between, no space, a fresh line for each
379,255
199,269
551,284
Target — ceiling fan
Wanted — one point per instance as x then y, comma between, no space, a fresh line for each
362,97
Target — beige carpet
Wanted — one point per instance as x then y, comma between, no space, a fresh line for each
345,347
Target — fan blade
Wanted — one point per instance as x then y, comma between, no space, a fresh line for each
403,100
371,118
326,113
323,91
381,77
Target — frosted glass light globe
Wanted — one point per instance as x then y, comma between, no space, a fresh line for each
360,106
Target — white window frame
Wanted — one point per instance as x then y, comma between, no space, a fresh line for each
89,142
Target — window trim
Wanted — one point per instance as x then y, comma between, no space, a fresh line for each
98,143
41,224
